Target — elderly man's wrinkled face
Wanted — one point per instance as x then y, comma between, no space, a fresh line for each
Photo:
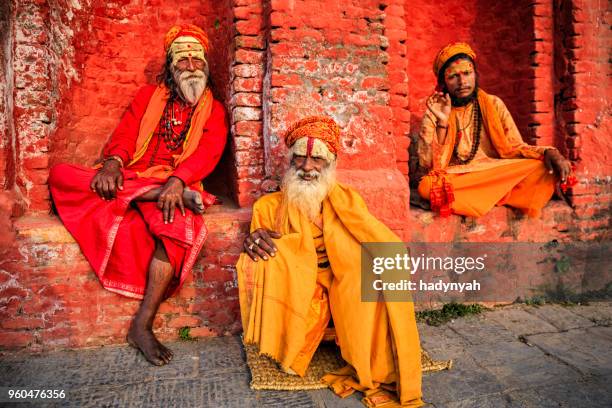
191,76
309,168
307,183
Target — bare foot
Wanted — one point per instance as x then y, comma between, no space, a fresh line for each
193,201
144,340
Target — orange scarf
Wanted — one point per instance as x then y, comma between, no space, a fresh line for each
493,127
151,119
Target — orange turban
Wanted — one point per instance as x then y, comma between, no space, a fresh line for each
319,127
450,51
186,30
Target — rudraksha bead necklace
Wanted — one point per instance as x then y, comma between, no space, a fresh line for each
477,124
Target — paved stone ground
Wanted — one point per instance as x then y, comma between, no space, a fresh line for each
516,356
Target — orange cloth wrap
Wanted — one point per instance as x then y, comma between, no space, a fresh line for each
320,127
522,184
450,51
186,30
378,340
442,192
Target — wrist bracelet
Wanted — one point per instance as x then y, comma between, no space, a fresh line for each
554,149
117,158
441,127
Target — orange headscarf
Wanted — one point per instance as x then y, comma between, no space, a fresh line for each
188,30
323,128
450,51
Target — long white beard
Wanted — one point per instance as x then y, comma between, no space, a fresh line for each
308,195
191,84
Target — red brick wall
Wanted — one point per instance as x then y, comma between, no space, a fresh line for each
219,20
583,107
397,72
326,58
583,83
246,103
33,99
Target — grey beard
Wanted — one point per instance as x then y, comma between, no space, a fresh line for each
191,85
307,196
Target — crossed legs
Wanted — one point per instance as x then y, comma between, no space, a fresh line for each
192,199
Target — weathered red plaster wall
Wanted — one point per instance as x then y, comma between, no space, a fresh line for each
326,58
6,150
331,58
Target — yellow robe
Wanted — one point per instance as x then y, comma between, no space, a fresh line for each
488,180
378,340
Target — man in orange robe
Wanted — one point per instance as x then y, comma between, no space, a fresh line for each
137,217
301,268
474,151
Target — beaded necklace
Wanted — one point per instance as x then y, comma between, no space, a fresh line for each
166,132
172,138
475,135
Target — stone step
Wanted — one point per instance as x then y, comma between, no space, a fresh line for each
54,299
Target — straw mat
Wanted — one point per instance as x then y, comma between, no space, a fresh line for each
266,375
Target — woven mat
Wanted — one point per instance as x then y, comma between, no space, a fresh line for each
265,374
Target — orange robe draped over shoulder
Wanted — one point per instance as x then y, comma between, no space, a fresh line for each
378,340
504,171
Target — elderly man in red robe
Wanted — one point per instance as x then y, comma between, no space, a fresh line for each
137,217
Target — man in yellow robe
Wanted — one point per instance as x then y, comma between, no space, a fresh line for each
474,151
301,268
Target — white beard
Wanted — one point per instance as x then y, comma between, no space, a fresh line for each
308,195
191,84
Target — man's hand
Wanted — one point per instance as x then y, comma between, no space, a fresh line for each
107,180
439,104
170,197
555,162
259,244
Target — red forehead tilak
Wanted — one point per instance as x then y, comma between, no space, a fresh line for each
309,145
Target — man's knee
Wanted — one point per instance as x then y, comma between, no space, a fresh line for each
425,187
160,252
57,172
